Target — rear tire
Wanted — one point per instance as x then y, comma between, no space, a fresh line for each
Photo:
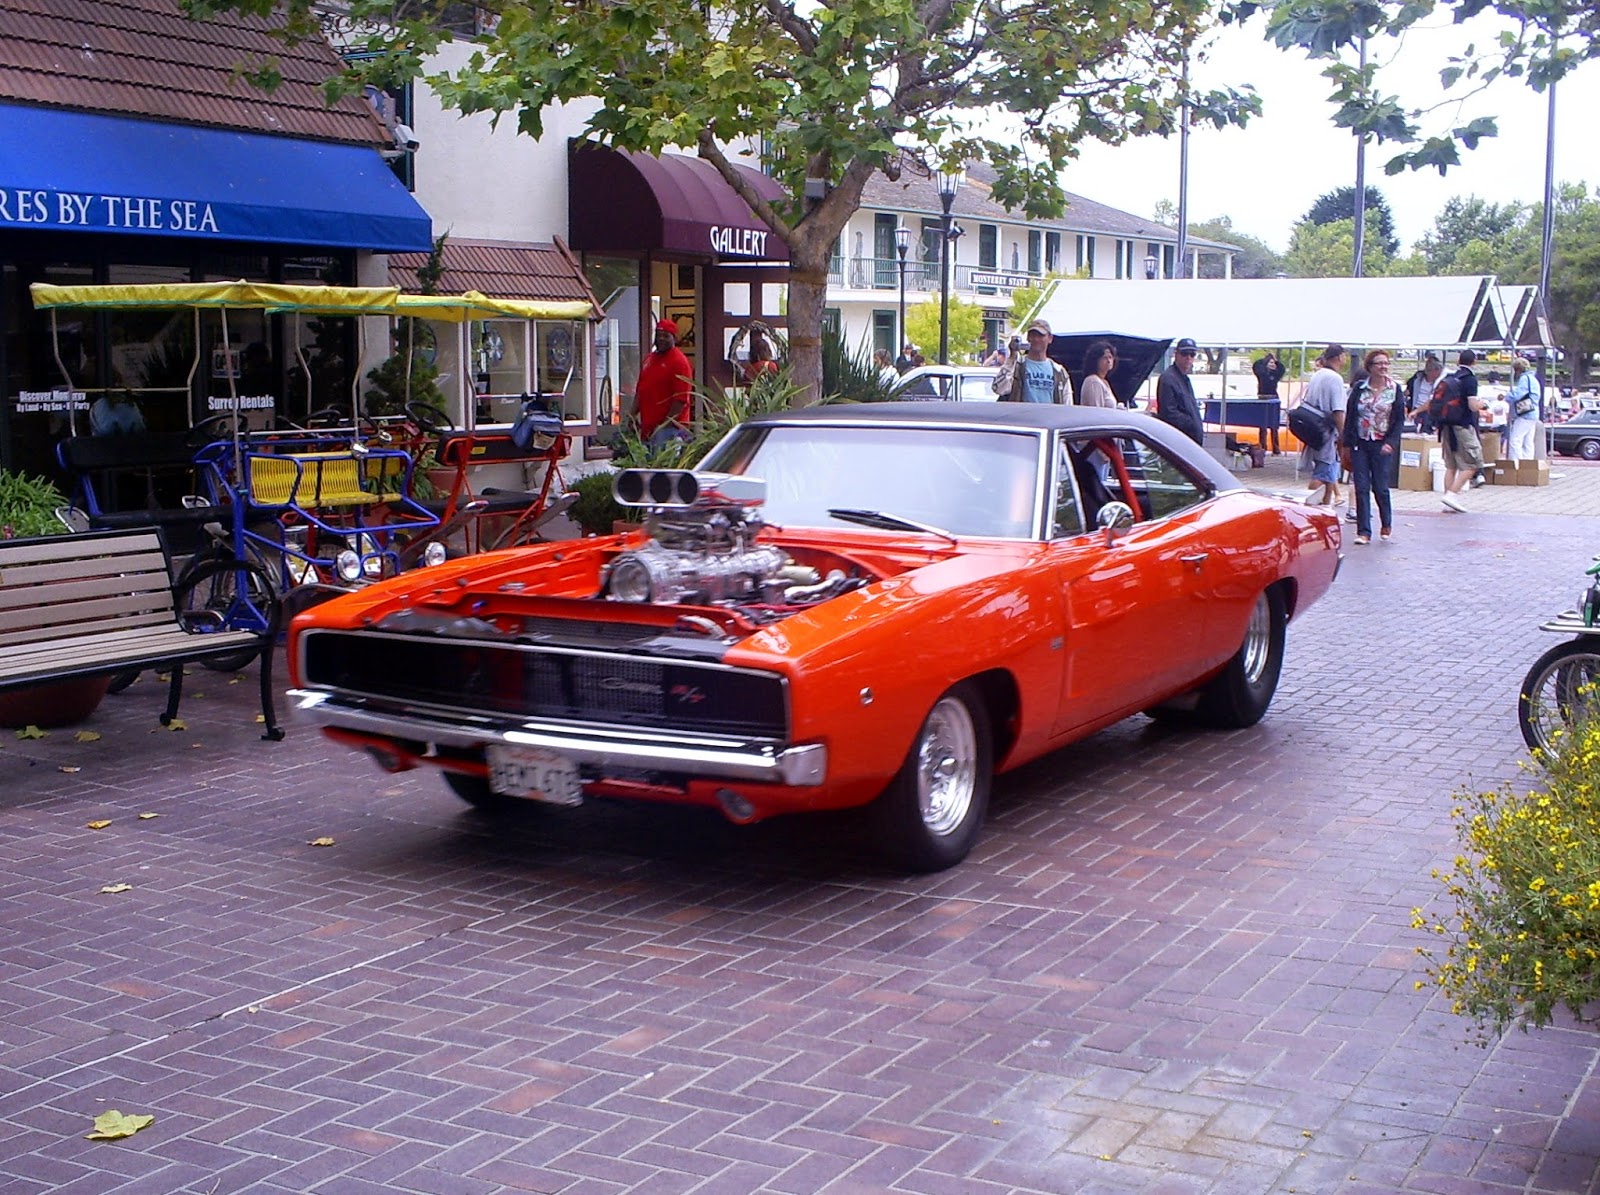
930,815
1589,450
1561,690
1239,695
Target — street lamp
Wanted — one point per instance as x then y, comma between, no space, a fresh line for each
902,242
1150,264
949,184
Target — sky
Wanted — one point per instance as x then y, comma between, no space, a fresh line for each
1267,175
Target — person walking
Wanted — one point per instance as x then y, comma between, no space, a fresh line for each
1095,389
1526,398
1325,394
1175,401
1455,409
903,362
1374,415
1419,389
1033,376
1269,372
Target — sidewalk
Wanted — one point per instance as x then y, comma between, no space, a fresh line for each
1574,489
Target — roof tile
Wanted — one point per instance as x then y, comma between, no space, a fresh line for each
143,58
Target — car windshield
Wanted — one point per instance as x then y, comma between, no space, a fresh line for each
964,481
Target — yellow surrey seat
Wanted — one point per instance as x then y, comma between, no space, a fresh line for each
317,479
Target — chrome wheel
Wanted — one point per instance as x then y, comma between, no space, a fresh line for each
947,766
1256,652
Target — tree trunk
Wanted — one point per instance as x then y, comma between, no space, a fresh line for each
808,297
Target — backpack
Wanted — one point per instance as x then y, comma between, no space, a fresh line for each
1447,407
1309,425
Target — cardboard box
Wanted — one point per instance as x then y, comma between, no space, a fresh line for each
1416,471
1505,472
1491,446
1533,472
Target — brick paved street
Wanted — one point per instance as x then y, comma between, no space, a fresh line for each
1177,962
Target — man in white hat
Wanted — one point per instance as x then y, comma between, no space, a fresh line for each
1033,376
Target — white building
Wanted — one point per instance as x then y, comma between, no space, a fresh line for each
996,252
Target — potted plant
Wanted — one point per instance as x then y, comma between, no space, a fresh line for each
596,512
28,508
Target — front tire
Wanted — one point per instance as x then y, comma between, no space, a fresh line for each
1561,690
1239,695
930,815
1589,450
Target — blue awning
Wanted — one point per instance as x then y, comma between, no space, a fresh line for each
63,171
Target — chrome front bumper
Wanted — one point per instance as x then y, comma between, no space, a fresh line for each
716,757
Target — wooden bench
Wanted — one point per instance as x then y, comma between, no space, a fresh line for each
102,603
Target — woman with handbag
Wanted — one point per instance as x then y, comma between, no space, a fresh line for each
1524,399
1373,418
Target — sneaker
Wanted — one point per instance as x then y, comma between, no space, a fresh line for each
1363,540
1350,516
1453,502
1479,480
1386,535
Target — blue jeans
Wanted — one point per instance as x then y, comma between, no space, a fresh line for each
1369,466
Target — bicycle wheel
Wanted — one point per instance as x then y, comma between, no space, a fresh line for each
217,593
1561,690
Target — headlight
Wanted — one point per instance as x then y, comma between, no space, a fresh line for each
372,566
348,565
434,553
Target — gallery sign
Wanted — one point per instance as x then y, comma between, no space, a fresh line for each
739,242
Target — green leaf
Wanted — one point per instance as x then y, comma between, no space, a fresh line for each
114,1125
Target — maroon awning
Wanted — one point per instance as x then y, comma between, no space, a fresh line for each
622,202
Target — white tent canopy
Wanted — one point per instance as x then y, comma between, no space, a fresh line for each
1251,312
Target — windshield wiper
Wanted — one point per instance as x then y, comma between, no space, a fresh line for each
887,522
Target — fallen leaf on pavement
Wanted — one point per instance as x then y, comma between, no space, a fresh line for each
177,724
87,736
113,889
144,817
31,731
114,1125
320,842
69,768
100,825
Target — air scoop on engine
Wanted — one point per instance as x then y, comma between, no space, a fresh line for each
702,548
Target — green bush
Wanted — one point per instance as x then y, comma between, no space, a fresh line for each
851,376
1524,938
596,510
28,506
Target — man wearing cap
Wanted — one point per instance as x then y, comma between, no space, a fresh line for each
662,394
1175,401
1032,376
1326,394
905,360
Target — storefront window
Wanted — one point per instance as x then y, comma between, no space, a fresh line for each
150,353
561,356
615,281
500,368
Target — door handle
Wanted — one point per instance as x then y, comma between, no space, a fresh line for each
1196,560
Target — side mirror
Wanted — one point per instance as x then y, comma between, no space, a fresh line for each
1114,517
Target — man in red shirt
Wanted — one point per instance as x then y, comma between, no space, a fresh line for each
662,395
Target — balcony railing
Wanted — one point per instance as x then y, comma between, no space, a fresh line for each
883,273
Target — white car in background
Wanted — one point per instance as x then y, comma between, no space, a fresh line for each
947,383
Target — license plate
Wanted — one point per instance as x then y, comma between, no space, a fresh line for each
535,774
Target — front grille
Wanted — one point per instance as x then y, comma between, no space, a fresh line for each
532,681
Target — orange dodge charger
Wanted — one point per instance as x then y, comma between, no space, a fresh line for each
881,604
